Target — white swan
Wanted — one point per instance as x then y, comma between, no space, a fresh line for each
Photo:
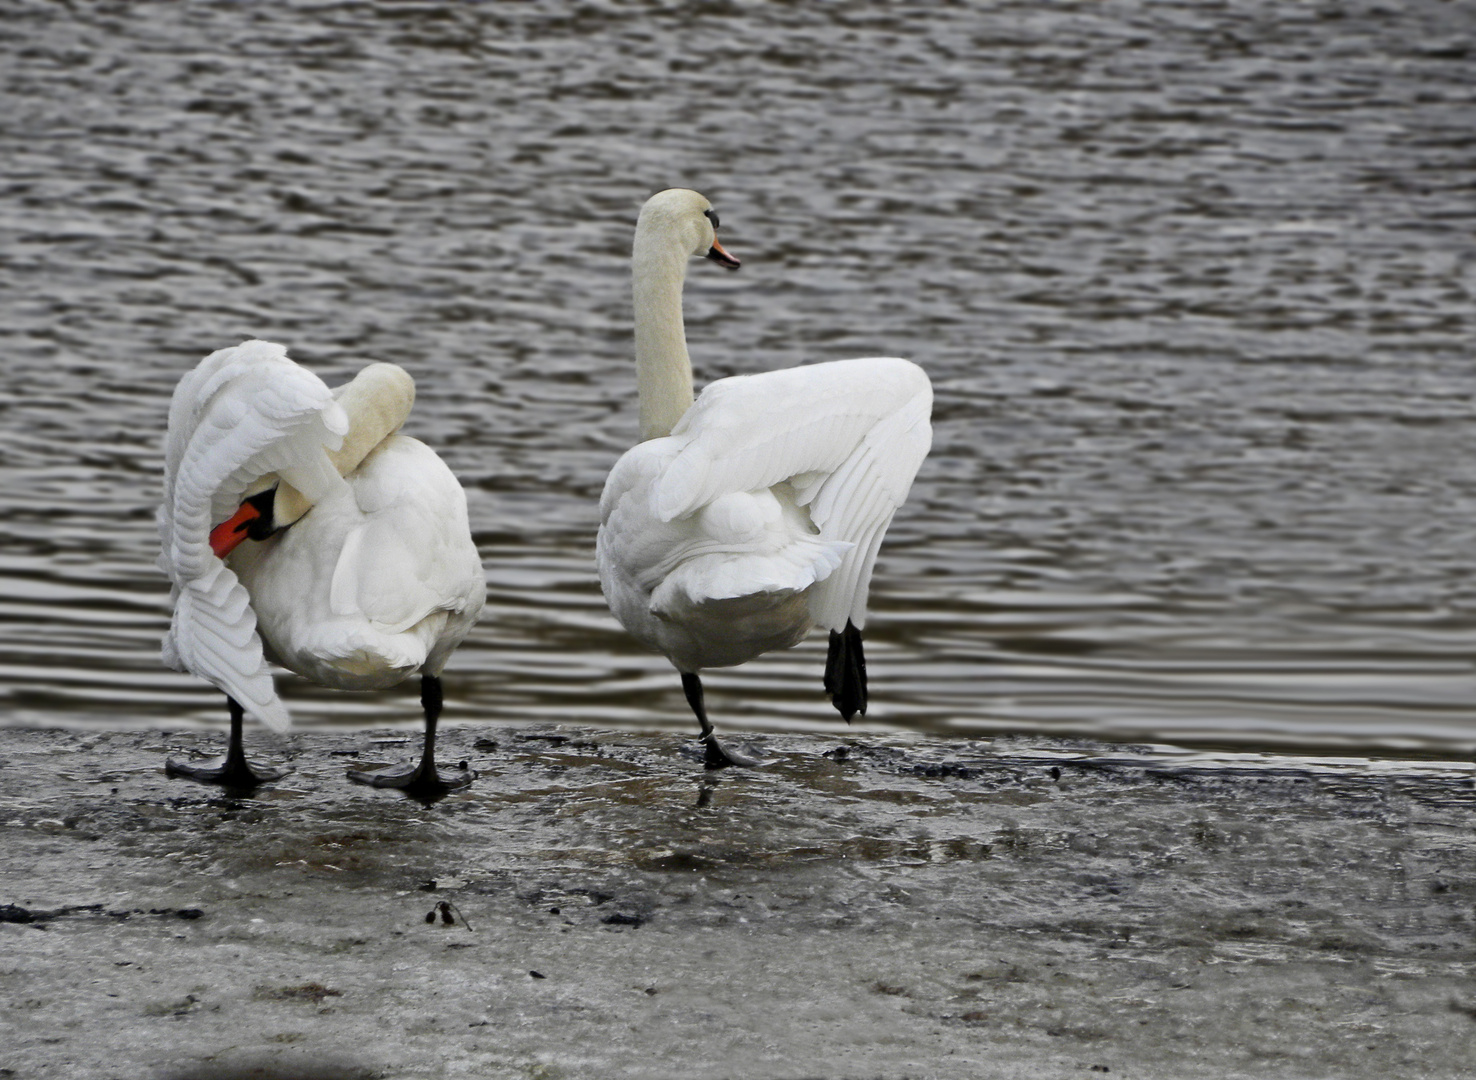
342,552
748,516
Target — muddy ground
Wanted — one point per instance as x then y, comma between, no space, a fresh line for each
869,907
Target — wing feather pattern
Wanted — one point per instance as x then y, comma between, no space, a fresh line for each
859,499
242,414
849,435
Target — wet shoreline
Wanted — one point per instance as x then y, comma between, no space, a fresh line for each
860,906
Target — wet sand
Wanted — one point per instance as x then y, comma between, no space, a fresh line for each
862,906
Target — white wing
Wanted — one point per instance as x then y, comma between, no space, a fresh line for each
242,414
849,436
738,543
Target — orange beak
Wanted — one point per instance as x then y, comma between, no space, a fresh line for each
225,537
720,256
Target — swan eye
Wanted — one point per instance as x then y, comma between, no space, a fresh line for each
711,215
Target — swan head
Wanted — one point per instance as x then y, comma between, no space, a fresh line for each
685,219
375,404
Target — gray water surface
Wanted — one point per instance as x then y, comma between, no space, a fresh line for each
1193,281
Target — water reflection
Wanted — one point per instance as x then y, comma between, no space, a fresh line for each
1194,286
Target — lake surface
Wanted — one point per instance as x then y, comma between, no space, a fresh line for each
1194,283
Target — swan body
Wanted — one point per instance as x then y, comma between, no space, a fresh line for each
379,582
345,554
753,513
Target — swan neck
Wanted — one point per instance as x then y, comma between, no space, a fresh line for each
663,368
376,402
289,505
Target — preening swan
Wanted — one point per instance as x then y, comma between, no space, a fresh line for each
746,517
298,526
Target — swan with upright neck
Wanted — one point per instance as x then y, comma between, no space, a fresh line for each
342,550
748,515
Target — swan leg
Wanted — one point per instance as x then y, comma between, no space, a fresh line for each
234,770
422,779
845,672
715,755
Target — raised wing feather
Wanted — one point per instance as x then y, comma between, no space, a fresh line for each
848,435
754,431
242,414
857,501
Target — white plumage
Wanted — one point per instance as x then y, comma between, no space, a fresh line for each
242,414
760,513
364,572
769,484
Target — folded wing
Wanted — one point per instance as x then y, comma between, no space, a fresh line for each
410,555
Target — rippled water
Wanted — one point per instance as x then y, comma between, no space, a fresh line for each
1194,283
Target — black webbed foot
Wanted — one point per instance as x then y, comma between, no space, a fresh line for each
422,780
228,772
717,756
416,780
845,672
234,770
